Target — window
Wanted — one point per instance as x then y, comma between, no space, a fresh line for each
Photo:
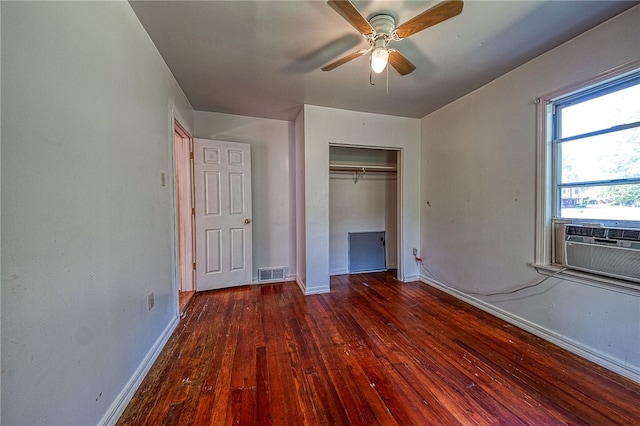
596,153
588,157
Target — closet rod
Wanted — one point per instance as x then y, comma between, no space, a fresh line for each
360,168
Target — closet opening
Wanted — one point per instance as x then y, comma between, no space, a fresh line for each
363,209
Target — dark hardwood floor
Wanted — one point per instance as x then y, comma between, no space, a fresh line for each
373,351
184,298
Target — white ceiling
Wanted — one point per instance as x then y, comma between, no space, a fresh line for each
263,58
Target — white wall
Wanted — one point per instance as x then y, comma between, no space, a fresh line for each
272,181
301,236
86,225
478,199
324,126
0,249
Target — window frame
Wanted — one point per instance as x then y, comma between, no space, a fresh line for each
547,188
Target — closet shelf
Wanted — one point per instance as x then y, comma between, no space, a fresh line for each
362,168
359,170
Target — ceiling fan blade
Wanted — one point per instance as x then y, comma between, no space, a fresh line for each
344,60
435,15
400,63
348,11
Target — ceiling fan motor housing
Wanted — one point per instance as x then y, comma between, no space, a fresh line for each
383,25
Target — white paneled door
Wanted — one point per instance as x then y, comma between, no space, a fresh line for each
223,214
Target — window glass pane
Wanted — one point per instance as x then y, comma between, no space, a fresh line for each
604,112
612,202
604,157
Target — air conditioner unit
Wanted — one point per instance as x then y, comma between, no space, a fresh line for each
613,252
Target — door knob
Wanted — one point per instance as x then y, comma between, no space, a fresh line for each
247,221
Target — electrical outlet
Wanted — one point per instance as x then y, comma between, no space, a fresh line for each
415,252
150,301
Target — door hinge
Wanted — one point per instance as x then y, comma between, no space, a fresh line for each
194,266
191,155
193,210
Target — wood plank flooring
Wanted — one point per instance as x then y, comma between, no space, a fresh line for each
373,351
184,298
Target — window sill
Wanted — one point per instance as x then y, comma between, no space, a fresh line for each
581,277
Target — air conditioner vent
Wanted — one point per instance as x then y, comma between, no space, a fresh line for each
616,234
632,235
271,274
624,234
585,231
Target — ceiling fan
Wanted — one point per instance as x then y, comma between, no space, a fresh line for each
380,30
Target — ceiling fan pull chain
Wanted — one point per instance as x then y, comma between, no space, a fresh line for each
370,73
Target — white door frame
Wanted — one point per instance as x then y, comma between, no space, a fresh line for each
175,126
184,197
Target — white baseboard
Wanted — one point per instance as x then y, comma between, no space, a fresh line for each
122,400
410,278
300,283
311,290
316,290
564,342
346,271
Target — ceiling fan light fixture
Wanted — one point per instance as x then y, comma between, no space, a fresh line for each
379,56
379,59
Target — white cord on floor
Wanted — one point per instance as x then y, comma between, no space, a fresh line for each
494,293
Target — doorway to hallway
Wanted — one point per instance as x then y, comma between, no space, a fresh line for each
183,152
